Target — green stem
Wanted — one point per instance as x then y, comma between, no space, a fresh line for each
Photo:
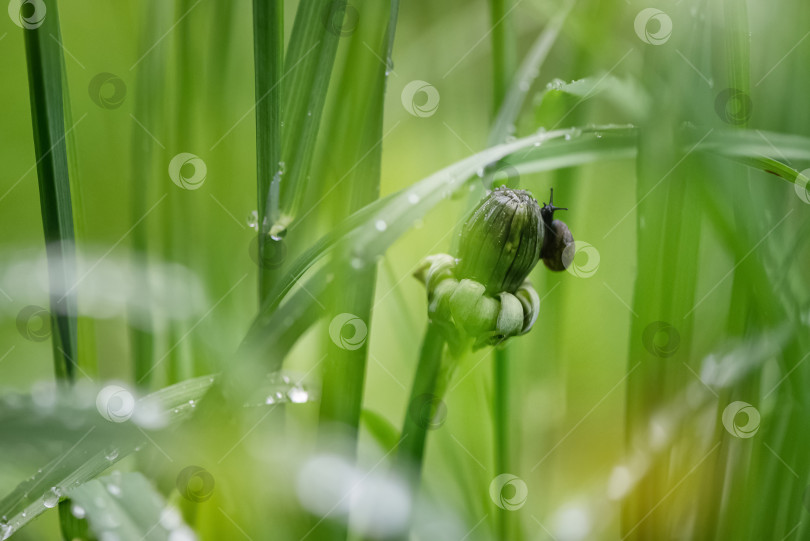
268,58
425,387
501,372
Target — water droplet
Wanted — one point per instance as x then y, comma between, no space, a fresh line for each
51,497
380,225
270,400
413,198
77,511
114,489
253,220
170,518
111,454
297,395
282,167
183,533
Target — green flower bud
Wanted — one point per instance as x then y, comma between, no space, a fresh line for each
501,241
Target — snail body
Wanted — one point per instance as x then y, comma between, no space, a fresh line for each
556,238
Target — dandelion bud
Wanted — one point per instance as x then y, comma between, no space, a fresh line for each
501,241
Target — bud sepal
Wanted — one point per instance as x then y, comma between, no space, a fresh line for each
467,314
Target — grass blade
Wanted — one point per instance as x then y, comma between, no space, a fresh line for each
89,454
45,65
310,58
354,132
504,48
512,102
128,507
149,110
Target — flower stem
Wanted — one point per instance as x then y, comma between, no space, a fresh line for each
501,368
411,449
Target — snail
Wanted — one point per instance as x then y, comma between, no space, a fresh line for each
556,238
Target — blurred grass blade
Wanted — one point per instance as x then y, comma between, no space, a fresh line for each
45,64
381,429
310,58
149,111
127,506
625,94
352,160
71,526
268,57
512,103
504,47
97,444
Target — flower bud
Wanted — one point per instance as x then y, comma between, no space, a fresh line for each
501,241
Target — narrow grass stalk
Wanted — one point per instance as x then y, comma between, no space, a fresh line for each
504,60
504,48
509,92
45,79
352,159
180,360
149,109
268,55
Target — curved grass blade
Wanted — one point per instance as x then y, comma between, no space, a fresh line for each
421,197
358,240
625,94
